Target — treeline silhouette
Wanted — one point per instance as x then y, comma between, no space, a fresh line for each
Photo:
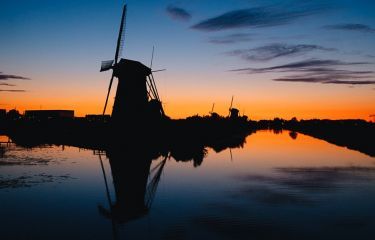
184,139
188,136
355,134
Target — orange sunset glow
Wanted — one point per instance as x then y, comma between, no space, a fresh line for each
257,102
316,67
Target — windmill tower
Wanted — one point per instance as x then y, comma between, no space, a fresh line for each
136,97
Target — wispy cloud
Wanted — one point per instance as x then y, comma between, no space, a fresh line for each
178,13
7,84
276,50
352,82
9,76
258,17
12,90
230,38
4,77
300,65
351,27
318,71
323,79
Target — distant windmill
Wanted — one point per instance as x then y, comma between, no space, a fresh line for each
136,94
212,109
233,112
231,104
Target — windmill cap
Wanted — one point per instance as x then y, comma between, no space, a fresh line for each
126,66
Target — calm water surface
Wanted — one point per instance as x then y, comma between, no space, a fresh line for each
278,186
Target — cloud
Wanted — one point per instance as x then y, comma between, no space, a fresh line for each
178,13
366,82
4,77
12,90
7,84
8,76
231,38
300,65
258,17
323,79
351,27
276,50
331,76
318,71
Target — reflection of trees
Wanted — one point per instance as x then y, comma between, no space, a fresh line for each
293,135
353,133
189,153
196,151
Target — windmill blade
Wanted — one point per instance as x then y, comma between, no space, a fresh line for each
231,103
213,106
152,56
106,65
151,89
120,43
152,80
121,35
109,90
153,185
159,70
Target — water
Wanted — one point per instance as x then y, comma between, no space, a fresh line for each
278,186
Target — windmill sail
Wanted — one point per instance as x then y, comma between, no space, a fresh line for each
106,65
119,47
121,35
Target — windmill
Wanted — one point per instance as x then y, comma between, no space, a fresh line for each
136,96
233,112
230,107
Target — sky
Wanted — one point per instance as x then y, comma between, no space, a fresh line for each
278,58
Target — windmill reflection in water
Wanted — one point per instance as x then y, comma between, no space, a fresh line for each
134,181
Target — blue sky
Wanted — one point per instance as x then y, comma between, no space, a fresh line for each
59,44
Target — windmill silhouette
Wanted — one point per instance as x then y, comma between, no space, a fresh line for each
136,97
135,184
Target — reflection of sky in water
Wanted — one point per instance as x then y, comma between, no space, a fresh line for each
275,187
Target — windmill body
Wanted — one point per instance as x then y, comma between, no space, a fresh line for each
131,100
